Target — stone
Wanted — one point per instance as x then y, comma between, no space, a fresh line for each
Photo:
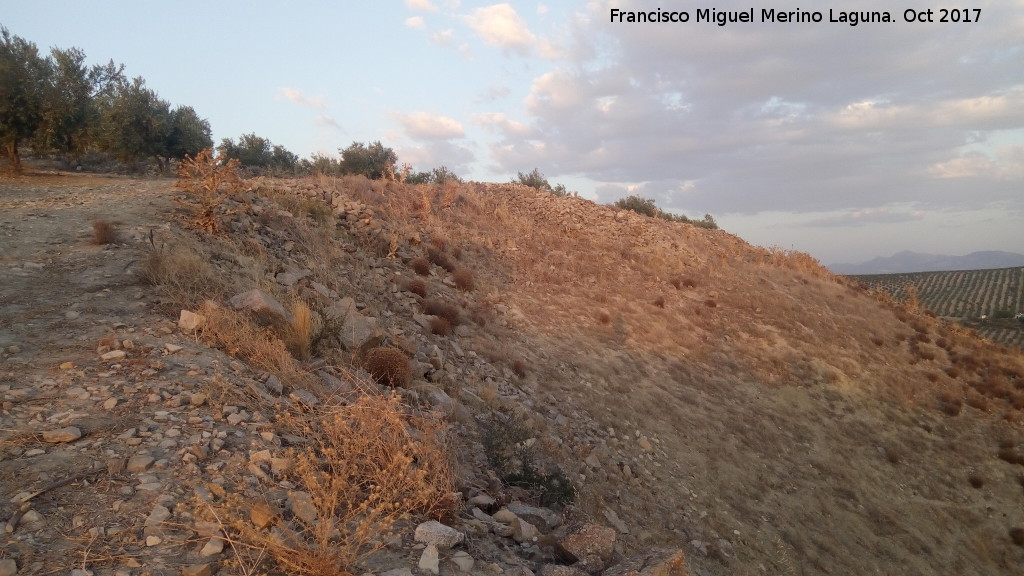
651,562
301,505
140,463
556,570
263,306
68,434
8,567
463,561
114,356
173,348
153,541
304,397
262,515
505,516
543,518
433,532
197,400
482,500
158,516
523,531
397,572
356,329
615,521
590,539
645,444
189,321
430,560
197,570
33,520
213,547
273,384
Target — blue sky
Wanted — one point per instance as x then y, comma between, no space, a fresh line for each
847,142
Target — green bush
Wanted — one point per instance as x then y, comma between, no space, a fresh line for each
504,439
647,207
537,180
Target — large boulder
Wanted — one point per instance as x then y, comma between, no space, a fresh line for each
264,307
652,562
356,329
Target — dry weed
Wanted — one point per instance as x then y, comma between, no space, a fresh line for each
417,287
421,266
440,326
388,366
103,232
209,182
300,331
365,467
239,336
464,280
184,269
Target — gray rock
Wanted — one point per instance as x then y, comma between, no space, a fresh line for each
652,562
543,518
68,434
304,397
213,547
430,560
190,321
158,516
615,521
463,561
356,328
397,572
556,570
113,355
590,539
301,504
263,306
8,567
140,463
441,536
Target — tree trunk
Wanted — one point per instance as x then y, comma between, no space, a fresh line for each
12,154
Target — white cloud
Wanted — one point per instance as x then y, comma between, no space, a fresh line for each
327,122
424,126
293,95
421,5
443,37
499,25
498,122
434,154
416,22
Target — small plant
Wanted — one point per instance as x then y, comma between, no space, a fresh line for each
604,317
976,481
443,310
388,366
421,266
440,326
211,183
1017,536
417,287
300,331
659,302
464,280
877,340
950,403
509,449
711,303
103,232
519,367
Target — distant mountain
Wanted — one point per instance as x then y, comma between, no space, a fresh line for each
908,261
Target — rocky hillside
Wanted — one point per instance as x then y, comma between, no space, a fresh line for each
607,393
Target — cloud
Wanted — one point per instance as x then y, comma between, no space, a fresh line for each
416,22
442,37
498,122
857,218
499,25
492,94
421,5
293,95
327,122
423,126
438,153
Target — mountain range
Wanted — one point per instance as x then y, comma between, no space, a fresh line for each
907,261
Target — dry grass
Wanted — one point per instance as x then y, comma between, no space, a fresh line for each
184,269
421,266
388,366
208,181
440,326
449,312
365,466
417,287
300,331
239,336
464,280
103,232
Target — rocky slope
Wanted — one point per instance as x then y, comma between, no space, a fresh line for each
741,407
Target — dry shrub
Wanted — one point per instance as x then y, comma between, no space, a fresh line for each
210,182
417,287
976,480
239,336
977,401
464,280
932,377
443,310
388,366
366,466
440,326
103,232
1011,455
300,331
950,403
710,303
659,302
953,372
184,270
877,341
421,266
441,259
519,367
604,317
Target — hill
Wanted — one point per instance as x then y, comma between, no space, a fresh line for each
743,407
985,300
907,261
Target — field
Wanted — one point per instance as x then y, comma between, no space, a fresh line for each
967,296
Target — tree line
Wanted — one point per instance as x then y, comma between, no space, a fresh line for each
56,103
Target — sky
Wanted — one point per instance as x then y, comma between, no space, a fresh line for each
846,142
